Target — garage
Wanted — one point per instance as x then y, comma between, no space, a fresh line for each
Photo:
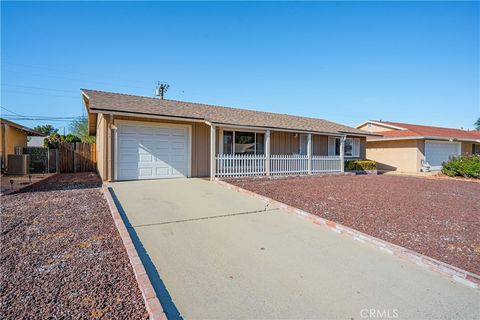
152,151
437,152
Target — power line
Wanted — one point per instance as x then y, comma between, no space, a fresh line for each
11,112
81,80
63,71
37,88
41,94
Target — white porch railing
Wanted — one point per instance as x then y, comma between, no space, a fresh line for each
326,164
236,165
288,164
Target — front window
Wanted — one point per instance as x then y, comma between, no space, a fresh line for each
241,142
351,147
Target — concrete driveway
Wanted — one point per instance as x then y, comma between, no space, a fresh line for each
213,253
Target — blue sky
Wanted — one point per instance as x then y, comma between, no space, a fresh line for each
347,62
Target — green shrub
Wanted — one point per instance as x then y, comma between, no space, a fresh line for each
360,165
467,166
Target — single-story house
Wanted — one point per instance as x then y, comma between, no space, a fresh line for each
151,138
13,135
414,148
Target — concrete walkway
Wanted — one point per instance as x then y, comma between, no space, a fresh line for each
217,254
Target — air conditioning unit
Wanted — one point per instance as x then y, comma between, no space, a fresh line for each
18,164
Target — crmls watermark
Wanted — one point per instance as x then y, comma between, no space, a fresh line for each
371,313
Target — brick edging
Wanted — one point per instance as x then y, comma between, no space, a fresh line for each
453,273
150,298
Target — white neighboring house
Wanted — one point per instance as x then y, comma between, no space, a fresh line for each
35,141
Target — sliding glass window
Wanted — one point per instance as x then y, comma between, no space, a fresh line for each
242,142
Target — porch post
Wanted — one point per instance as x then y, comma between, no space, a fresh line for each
309,153
213,160
342,153
267,152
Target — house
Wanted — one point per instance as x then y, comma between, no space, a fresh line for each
35,141
414,148
13,135
150,138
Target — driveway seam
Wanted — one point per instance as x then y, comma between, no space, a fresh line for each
206,218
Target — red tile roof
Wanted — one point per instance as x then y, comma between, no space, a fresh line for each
414,130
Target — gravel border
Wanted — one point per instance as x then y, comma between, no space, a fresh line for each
62,256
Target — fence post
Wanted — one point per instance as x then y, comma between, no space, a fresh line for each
57,160
267,152
342,153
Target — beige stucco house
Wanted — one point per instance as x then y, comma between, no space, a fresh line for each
13,135
415,148
149,138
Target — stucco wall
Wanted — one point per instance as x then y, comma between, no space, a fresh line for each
11,138
467,147
400,155
374,128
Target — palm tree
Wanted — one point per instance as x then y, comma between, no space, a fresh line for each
477,124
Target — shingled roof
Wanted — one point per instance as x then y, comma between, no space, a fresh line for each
105,102
407,130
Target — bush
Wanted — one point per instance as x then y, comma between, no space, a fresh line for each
53,141
360,165
467,166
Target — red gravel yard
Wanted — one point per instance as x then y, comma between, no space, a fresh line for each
61,254
438,218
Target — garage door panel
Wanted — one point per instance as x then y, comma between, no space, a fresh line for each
145,172
437,152
152,151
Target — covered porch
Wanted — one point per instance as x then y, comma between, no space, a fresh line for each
241,151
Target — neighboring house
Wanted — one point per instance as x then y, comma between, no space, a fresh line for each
149,138
414,148
13,135
35,141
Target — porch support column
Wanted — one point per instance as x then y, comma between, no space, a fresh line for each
267,152
342,153
213,160
309,153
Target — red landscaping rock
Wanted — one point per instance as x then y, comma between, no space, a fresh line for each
61,254
437,218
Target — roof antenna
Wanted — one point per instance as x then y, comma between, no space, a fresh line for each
161,89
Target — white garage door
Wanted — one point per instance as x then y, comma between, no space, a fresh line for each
147,151
437,152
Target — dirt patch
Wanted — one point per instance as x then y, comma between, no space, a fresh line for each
438,218
61,254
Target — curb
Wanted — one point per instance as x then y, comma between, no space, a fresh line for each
150,298
448,271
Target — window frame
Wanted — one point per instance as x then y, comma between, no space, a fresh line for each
355,150
221,151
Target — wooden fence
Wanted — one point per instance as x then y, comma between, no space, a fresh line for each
77,157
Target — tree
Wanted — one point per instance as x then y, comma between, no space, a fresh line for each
477,124
46,129
79,128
